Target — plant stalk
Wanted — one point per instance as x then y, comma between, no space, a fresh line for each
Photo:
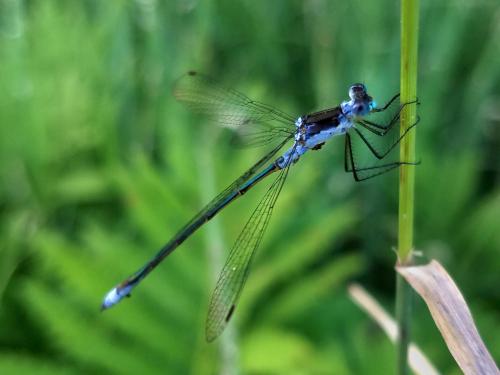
409,59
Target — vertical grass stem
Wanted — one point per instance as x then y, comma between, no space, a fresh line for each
409,58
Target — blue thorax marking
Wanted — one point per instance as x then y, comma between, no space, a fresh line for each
315,129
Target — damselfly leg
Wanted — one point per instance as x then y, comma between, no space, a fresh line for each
353,153
380,155
382,129
365,173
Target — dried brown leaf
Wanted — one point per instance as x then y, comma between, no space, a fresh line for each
452,317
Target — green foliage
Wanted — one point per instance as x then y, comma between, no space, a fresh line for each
99,167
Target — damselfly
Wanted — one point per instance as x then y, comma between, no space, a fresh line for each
264,124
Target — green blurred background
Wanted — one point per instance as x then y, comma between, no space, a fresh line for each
99,166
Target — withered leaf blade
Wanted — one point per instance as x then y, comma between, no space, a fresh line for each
452,316
417,360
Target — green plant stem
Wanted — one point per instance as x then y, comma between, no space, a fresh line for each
409,57
403,315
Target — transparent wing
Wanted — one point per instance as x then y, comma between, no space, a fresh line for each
232,109
237,267
258,135
216,202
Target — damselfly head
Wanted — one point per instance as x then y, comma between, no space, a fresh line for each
362,103
357,91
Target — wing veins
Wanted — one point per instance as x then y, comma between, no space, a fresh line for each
231,282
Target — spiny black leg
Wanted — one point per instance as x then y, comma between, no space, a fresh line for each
381,133
350,166
395,118
387,105
348,158
387,168
382,155
347,154
380,129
